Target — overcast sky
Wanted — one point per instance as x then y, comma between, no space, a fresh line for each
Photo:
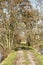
37,5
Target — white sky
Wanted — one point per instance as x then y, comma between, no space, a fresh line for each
34,3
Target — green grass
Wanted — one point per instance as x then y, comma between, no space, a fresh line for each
38,56
10,59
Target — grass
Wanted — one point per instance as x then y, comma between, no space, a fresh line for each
10,59
38,56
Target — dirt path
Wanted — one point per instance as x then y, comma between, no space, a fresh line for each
20,60
31,58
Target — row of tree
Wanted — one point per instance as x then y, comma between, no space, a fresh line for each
19,16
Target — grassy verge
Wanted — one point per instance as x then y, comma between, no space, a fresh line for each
39,57
10,59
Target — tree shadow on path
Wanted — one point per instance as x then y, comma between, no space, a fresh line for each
22,47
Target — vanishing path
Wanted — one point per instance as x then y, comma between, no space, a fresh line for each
31,58
20,60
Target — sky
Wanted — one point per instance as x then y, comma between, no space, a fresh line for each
34,4
37,5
